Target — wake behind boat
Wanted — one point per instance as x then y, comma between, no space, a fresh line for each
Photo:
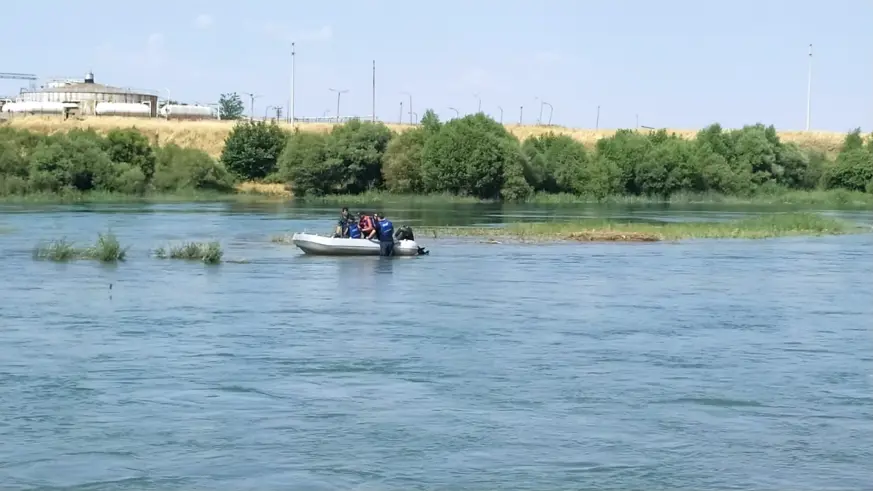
323,245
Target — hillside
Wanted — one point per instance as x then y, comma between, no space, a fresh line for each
210,135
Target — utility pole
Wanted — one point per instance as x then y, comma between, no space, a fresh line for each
501,114
252,98
338,94
520,115
373,116
597,121
410,106
293,53
400,119
479,109
809,88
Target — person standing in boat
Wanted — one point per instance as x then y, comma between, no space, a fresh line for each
386,235
342,225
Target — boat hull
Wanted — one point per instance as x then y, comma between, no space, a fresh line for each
321,245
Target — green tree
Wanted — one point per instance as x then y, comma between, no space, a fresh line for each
129,146
356,148
305,165
555,163
469,156
230,106
401,171
252,149
853,170
180,168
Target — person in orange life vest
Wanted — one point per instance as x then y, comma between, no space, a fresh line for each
368,226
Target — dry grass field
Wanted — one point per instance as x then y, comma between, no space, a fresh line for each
210,135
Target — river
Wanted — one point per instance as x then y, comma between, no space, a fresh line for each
692,365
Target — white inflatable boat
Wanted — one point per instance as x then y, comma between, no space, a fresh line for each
337,246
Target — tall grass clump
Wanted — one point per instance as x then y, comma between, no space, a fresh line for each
106,249
59,250
208,252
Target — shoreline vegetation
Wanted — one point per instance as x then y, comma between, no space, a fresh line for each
604,230
472,159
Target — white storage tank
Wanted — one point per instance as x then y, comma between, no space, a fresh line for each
127,109
178,111
34,107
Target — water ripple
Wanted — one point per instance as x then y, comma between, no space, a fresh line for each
695,365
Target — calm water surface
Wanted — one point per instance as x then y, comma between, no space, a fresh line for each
697,365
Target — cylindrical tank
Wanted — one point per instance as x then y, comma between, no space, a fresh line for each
178,111
32,107
122,109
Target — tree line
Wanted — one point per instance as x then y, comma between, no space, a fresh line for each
470,156
123,161
476,156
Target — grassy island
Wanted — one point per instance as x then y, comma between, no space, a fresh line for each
759,227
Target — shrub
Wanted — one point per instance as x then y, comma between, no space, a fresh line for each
252,149
186,168
304,164
468,156
129,146
401,171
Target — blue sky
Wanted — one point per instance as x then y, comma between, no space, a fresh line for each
675,63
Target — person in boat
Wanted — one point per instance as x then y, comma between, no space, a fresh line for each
354,230
386,235
342,225
367,225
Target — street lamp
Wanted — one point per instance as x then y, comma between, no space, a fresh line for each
501,114
476,95
457,114
551,110
339,93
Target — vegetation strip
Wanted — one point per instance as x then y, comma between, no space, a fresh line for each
472,158
759,227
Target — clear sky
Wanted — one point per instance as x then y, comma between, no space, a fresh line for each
675,63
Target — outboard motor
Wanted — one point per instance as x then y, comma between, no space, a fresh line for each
404,233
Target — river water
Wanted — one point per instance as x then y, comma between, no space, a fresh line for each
691,365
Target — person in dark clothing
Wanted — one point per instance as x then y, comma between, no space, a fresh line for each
386,235
342,225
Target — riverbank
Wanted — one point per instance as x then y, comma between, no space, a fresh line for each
255,192
759,227
210,136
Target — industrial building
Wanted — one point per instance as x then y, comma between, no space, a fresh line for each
77,97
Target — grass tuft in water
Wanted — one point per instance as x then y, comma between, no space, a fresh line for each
107,249
208,252
758,227
60,250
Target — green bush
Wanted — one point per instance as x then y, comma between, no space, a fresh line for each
129,146
401,172
468,156
83,160
252,149
305,165
187,168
